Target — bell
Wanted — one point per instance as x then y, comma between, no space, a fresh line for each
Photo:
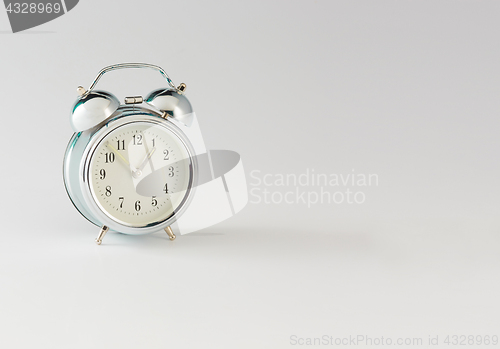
174,103
91,109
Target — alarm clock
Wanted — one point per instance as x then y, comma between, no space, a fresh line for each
116,146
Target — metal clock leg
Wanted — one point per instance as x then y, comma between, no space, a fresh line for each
170,233
102,232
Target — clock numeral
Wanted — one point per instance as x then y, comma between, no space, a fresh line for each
166,154
171,171
121,198
121,145
154,202
110,157
137,205
153,142
165,188
102,172
108,191
138,139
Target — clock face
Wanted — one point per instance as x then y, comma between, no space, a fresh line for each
130,156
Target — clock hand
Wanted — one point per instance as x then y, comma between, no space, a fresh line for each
121,157
149,157
145,161
137,173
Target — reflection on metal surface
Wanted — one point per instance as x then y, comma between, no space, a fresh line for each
174,103
91,109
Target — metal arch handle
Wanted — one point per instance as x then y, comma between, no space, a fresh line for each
129,66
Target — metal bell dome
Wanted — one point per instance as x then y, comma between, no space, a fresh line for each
173,102
91,109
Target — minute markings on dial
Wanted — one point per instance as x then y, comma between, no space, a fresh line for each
120,178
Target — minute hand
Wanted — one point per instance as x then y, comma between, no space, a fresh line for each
125,161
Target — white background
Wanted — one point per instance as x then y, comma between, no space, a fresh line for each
407,90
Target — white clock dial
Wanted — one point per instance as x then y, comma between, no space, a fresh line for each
125,157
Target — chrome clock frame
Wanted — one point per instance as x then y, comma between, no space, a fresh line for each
77,165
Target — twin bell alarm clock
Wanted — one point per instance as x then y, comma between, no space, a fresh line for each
131,167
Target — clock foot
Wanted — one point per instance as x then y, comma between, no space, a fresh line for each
170,233
102,232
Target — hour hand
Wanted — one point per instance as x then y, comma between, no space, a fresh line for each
138,173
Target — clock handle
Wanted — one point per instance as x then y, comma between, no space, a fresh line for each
129,66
